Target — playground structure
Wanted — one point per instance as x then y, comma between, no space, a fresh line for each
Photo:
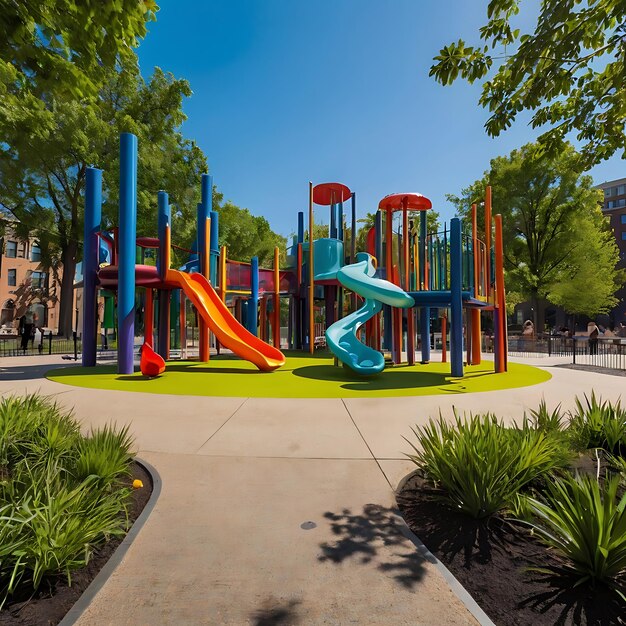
452,272
123,275
368,303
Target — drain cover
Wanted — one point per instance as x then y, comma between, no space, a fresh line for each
308,525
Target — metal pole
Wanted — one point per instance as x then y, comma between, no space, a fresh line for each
93,216
456,299
425,311
311,275
254,296
127,245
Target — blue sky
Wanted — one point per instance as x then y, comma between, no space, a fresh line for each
287,91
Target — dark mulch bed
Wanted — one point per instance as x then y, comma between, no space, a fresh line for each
52,602
492,561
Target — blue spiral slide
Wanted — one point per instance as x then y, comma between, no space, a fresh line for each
341,336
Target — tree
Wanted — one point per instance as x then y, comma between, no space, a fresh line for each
555,235
247,235
62,46
569,72
42,168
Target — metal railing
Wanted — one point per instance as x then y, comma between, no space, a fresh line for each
604,352
44,344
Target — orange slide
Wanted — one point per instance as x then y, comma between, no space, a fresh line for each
229,332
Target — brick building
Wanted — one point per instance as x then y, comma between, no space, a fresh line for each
25,285
614,207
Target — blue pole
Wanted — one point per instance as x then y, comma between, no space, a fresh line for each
300,226
163,221
332,233
206,187
254,295
127,244
456,299
93,216
424,311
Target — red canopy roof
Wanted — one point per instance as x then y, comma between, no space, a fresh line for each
396,202
330,193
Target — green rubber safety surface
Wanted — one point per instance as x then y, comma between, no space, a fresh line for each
302,376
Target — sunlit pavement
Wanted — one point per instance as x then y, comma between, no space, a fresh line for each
276,508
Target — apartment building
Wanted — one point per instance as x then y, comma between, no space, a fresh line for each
25,285
614,207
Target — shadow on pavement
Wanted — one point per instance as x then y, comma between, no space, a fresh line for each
374,537
273,613
28,372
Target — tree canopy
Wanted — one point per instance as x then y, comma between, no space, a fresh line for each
557,243
569,72
42,169
246,235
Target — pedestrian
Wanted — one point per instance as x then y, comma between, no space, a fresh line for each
594,333
27,326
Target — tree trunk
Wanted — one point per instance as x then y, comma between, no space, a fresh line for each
66,304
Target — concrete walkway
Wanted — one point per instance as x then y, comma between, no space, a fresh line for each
278,511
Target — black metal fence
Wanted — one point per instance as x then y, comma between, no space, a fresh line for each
43,344
604,352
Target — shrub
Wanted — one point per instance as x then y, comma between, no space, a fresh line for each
545,420
482,465
60,494
106,454
597,424
586,524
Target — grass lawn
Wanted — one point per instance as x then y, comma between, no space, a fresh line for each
303,376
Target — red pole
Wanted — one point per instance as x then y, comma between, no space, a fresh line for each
276,298
390,278
475,313
444,339
183,325
410,330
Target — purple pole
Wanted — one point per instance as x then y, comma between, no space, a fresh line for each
127,257
93,215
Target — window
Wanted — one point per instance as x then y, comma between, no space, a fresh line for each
21,249
624,235
35,253
620,202
11,249
621,190
38,280
623,218
608,192
12,277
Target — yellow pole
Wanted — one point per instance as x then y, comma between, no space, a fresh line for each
206,258
223,252
311,275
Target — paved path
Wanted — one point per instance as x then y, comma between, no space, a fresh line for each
278,511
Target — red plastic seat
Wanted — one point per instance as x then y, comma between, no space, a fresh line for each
151,363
